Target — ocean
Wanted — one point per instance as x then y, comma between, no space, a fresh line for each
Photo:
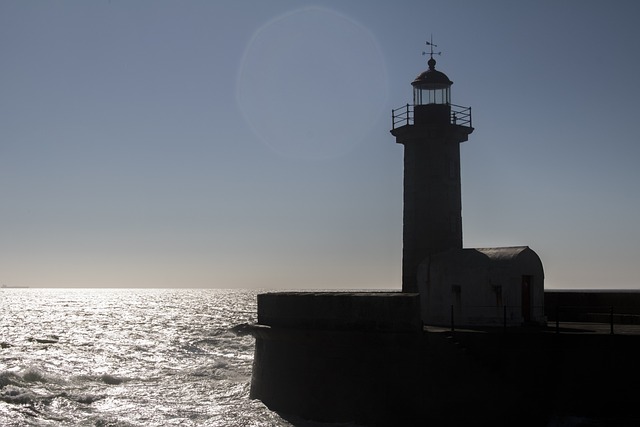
128,357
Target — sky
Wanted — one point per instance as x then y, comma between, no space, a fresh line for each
237,144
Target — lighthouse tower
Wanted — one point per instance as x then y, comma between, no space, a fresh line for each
431,130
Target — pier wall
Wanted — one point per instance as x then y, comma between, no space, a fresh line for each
533,378
593,305
339,357
365,358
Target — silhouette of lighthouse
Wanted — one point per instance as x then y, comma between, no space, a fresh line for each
431,130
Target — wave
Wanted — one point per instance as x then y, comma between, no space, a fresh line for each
192,348
26,376
112,380
48,339
17,395
16,387
217,371
33,375
108,379
7,378
85,398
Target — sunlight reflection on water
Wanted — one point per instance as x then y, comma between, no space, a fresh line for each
127,357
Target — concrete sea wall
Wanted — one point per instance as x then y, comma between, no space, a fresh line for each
365,358
352,357
593,305
530,378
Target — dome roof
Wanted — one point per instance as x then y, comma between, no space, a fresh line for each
432,78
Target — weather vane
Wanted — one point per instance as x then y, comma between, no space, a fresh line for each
431,46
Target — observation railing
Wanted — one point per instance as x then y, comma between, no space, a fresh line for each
403,116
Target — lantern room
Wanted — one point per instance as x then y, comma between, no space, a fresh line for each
432,86
432,96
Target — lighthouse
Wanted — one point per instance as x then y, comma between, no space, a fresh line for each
431,130
471,286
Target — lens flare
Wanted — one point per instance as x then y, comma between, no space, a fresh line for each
312,83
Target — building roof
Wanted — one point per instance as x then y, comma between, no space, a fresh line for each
502,254
522,258
432,78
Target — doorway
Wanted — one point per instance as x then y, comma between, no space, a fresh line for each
526,298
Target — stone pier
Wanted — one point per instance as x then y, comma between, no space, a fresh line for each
339,356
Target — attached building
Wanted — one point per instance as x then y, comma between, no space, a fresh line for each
485,286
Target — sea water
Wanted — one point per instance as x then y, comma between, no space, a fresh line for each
127,357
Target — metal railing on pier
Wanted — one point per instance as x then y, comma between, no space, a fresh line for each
558,318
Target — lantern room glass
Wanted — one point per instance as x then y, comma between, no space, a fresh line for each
424,96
